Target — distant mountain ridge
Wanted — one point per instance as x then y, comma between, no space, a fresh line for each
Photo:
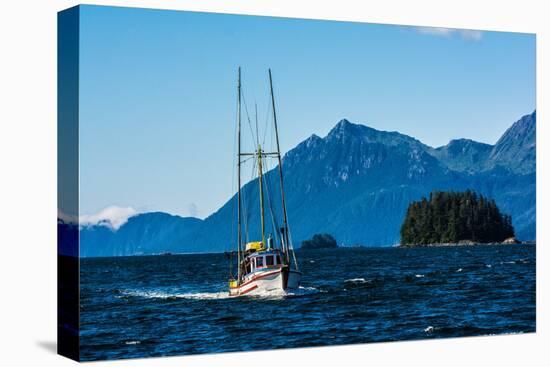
463,155
148,233
514,151
355,184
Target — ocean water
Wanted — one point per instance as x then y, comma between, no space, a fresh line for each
133,307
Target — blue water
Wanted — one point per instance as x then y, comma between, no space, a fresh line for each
135,307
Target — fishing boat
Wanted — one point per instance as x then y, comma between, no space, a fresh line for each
268,264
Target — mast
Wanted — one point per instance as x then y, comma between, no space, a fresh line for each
260,181
285,221
239,234
260,178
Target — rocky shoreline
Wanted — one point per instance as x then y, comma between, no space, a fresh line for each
508,241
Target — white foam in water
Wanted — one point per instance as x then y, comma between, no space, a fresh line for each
307,290
213,295
419,275
429,329
166,295
275,294
356,280
459,270
310,290
132,342
279,294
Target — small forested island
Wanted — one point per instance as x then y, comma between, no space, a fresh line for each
455,218
318,241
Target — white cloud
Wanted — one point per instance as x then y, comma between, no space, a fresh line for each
113,217
467,34
67,218
435,31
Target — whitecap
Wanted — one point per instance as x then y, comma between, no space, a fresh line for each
429,329
307,288
277,294
303,291
459,270
132,342
419,275
356,280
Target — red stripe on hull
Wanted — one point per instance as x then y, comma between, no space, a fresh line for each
249,290
258,277
245,292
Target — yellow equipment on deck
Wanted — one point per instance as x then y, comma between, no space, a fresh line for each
254,246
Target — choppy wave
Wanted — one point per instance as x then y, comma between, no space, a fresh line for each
279,294
304,291
167,305
356,280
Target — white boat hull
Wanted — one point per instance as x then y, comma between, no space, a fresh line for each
278,281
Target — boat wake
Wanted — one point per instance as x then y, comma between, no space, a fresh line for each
167,295
156,294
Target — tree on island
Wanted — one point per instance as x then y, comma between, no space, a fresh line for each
450,217
319,241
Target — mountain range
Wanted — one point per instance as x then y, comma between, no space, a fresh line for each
355,183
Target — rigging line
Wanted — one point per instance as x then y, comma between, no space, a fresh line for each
271,211
232,239
244,211
274,222
267,122
245,215
257,134
290,246
247,114
247,159
248,212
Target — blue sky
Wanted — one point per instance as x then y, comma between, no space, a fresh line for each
158,94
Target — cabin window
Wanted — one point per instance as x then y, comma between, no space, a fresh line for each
279,259
259,262
269,260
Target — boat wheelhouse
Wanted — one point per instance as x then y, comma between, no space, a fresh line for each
268,265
